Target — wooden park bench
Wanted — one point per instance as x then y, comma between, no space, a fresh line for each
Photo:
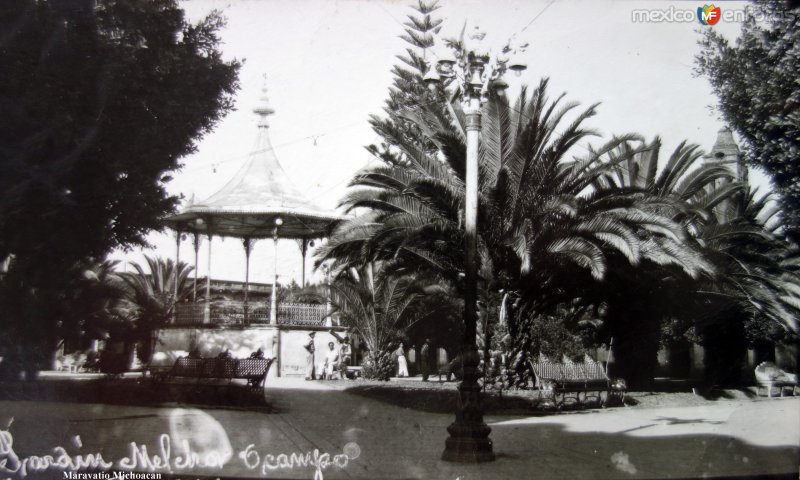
770,377
579,383
220,372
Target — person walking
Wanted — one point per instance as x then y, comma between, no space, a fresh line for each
425,359
402,365
310,357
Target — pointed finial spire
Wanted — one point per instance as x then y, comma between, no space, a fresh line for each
725,149
263,108
726,152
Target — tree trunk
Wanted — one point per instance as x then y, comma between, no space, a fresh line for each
726,350
636,340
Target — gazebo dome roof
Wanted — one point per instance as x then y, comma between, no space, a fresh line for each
259,194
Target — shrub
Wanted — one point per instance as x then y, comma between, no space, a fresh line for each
378,367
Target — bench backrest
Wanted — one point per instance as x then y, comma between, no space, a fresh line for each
573,371
252,367
247,368
595,371
187,367
569,371
547,370
222,367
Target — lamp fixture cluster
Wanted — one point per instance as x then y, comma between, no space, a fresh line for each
473,58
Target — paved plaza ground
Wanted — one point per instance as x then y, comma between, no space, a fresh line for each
375,436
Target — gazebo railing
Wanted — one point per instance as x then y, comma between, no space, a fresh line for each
189,314
302,314
258,313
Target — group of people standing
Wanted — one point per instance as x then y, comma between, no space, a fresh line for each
333,359
338,359
424,360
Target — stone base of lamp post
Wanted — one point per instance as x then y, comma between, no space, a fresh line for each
469,436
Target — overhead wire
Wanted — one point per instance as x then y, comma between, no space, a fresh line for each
537,15
273,147
318,135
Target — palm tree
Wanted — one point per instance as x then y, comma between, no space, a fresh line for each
380,307
699,186
152,297
750,275
757,296
638,298
98,300
541,221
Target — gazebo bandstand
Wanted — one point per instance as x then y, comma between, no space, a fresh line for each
259,202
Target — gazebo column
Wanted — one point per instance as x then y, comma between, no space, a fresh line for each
196,244
303,252
207,311
247,242
273,301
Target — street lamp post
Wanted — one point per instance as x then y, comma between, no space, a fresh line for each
466,66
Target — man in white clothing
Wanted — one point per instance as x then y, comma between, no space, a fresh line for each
331,361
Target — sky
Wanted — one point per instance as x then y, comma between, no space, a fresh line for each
328,68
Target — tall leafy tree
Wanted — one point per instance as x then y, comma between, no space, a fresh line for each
755,79
100,100
407,88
